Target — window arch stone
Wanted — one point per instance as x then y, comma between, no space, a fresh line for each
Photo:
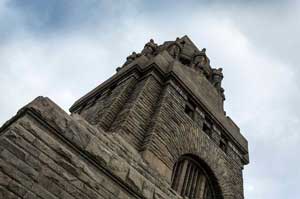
192,178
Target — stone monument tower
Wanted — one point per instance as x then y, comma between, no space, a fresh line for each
156,129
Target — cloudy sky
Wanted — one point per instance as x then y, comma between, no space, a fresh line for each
64,48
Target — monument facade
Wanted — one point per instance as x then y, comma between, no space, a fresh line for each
156,129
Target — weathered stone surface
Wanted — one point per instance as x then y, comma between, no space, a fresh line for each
124,138
119,167
97,152
135,178
148,189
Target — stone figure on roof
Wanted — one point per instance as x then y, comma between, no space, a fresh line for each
174,48
150,48
217,77
201,63
131,57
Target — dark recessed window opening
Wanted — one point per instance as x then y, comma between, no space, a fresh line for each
206,129
223,143
190,180
184,61
110,89
190,109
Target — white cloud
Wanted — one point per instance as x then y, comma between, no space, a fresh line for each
62,69
261,87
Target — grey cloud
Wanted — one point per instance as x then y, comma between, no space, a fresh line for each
46,19
257,52
272,29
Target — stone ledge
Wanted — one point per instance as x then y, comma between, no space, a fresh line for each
177,73
86,140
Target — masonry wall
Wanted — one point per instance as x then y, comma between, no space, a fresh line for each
151,117
127,108
45,153
134,119
103,109
175,133
35,164
124,137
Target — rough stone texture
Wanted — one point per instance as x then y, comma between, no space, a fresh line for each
49,154
124,137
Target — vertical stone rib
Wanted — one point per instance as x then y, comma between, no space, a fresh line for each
186,179
193,182
134,118
182,176
190,181
175,173
153,119
117,103
196,185
202,187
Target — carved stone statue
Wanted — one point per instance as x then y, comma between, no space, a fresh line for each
149,48
174,48
131,58
118,69
222,93
200,60
217,77
201,63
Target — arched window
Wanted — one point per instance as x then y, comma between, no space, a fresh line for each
190,179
